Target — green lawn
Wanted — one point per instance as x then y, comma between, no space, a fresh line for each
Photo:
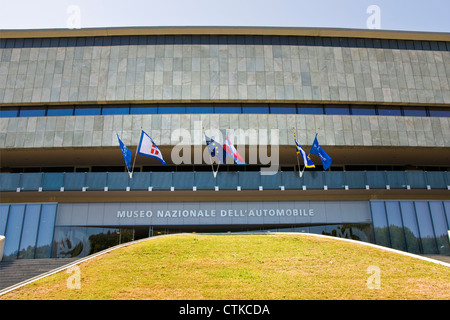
246,267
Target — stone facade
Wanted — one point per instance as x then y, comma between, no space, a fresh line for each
100,131
223,72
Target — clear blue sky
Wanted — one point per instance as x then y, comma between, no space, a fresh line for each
411,15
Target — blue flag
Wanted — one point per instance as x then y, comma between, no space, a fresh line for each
126,153
215,148
317,149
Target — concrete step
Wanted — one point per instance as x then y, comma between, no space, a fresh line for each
16,271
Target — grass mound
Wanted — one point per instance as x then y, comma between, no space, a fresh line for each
246,267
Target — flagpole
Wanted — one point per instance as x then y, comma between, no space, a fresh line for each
134,161
300,173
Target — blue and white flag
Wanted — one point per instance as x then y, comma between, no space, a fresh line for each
317,149
148,148
306,160
126,153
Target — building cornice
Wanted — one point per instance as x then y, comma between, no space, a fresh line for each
224,30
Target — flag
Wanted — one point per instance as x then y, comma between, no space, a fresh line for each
215,148
232,152
306,160
317,149
126,153
148,148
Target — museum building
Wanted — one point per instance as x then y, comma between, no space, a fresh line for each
378,102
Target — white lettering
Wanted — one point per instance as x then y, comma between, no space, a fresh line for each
374,20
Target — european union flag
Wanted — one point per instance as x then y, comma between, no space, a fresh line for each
317,149
215,148
126,153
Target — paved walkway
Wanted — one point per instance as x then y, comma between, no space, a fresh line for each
440,257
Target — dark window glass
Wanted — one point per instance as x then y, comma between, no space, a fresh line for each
411,230
380,225
329,109
227,108
283,108
7,113
4,208
255,108
425,227
87,111
389,111
200,108
439,112
311,109
395,225
363,111
45,235
440,226
32,112
447,212
116,110
29,231
171,108
143,110
415,112
13,232
55,111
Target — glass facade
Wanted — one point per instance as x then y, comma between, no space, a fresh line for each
414,226
419,227
28,229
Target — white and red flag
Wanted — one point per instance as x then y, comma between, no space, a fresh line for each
148,148
232,152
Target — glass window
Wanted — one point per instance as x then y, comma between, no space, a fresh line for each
88,111
31,112
439,112
411,230
389,111
395,225
255,108
227,108
45,235
71,242
200,108
29,231
13,231
363,111
283,108
310,109
336,109
144,109
447,212
380,225
440,226
115,110
414,112
425,227
4,208
8,112
171,108
60,111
